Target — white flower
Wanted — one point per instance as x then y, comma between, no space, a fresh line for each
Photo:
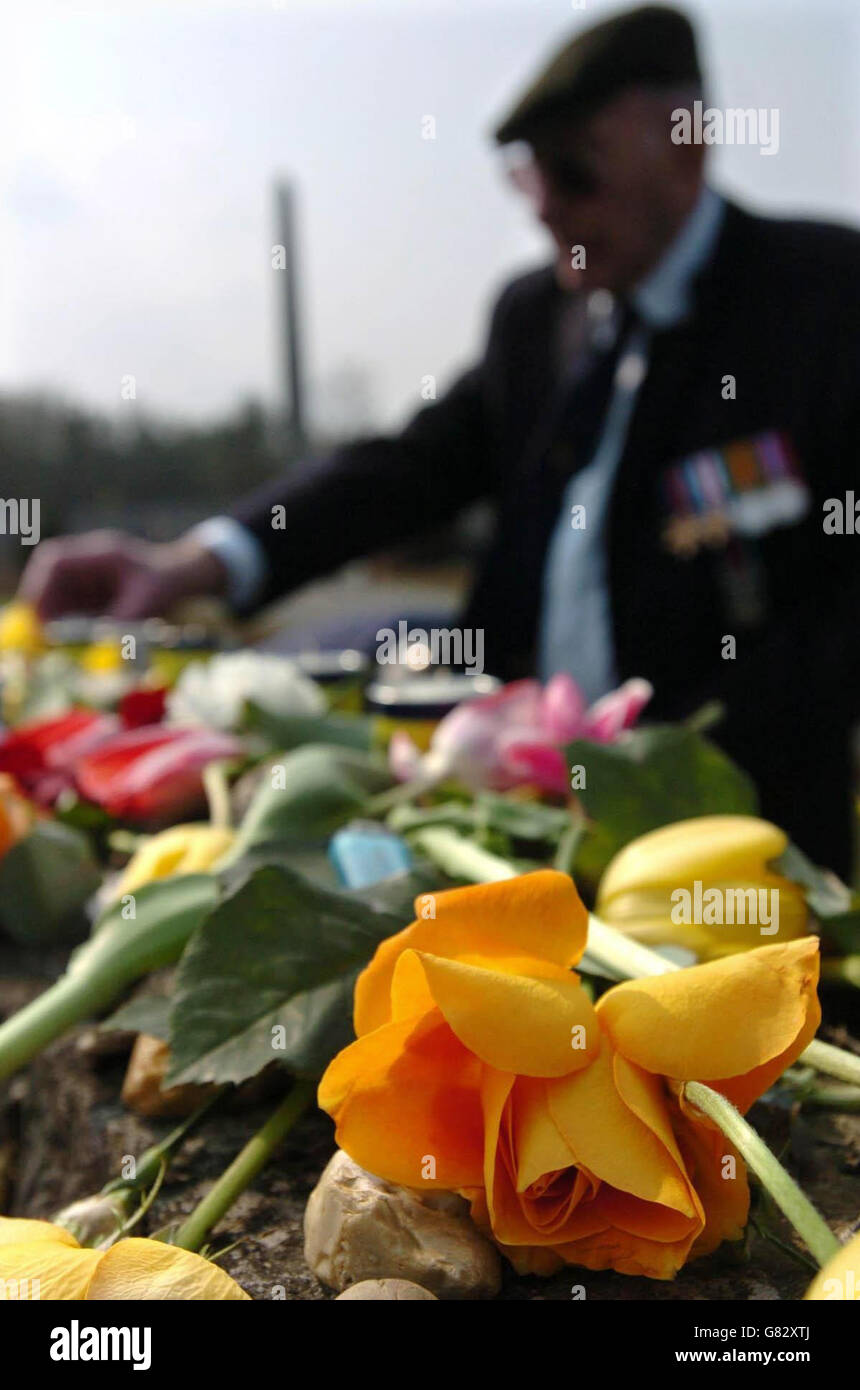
212,693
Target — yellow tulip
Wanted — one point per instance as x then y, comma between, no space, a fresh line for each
840,1277
481,1065
704,885
42,1261
20,629
183,849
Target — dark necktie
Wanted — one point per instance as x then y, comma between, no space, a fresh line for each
582,403
564,440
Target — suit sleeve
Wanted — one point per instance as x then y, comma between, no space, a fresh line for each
377,492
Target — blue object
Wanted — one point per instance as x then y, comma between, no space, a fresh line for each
363,853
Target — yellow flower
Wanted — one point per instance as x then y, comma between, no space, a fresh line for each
183,849
20,629
840,1277
481,1065
41,1261
704,885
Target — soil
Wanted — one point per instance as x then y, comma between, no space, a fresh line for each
64,1133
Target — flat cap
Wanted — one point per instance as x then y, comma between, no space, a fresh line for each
652,46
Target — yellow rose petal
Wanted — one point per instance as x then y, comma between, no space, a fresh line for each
45,1269
627,1254
611,1142
720,1020
538,1144
532,1025
504,1209
15,1230
149,1271
537,915
372,999
410,989
722,1187
840,1277
404,1093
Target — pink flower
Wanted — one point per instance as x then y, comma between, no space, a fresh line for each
516,735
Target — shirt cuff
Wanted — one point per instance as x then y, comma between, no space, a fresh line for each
241,554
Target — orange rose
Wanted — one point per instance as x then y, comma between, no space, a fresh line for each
17,814
481,1065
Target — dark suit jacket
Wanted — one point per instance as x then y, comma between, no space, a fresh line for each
778,308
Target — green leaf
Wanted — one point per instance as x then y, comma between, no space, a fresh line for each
396,894
834,904
826,894
404,819
306,794
843,931
521,820
148,1013
279,952
166,913
310,860
488,813
45,879
653,777
287,731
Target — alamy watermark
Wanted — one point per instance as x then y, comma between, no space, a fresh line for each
77,1343
717,907
24,1290
842,516
420,647
733,126
21,516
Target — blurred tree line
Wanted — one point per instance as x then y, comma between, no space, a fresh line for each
156,478
145,475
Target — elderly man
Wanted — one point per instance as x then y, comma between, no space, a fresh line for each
662,418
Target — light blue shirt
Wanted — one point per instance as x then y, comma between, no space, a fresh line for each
241,554
576,626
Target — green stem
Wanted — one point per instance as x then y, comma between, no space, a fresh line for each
398,795
217,790
461,858
797,1208
624,956
29,1030
607,947
116,954
706,717
844,1098
137,1216
244,1168
569,843
844,1066
149,1164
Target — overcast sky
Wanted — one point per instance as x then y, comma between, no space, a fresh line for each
141,141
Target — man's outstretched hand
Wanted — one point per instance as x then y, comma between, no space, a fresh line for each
119,576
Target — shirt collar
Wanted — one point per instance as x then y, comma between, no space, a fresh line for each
662,298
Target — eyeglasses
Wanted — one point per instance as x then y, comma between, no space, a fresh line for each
565,175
